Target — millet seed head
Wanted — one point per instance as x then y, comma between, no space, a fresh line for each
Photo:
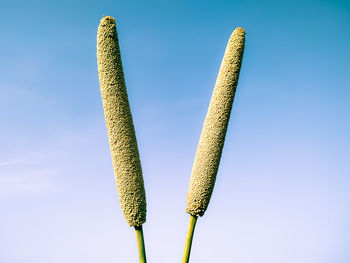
212,138
120,127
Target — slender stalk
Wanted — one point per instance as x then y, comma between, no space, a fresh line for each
140,244
189,237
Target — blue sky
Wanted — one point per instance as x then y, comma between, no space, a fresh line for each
282,191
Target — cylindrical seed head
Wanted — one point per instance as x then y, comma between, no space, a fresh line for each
120,127
212,138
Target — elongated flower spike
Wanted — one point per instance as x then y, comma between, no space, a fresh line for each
120,129
211,142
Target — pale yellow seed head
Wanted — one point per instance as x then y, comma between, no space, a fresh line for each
212,138
120,127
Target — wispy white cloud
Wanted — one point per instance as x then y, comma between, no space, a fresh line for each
43,166
26,175
34,182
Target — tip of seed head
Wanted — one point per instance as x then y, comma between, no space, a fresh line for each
239,30
107,20
238,34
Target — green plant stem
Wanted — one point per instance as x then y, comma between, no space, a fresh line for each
140,244
189,237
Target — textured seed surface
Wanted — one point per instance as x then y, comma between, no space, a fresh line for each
120,127
212,138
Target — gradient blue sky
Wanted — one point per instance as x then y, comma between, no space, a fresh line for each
282,192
